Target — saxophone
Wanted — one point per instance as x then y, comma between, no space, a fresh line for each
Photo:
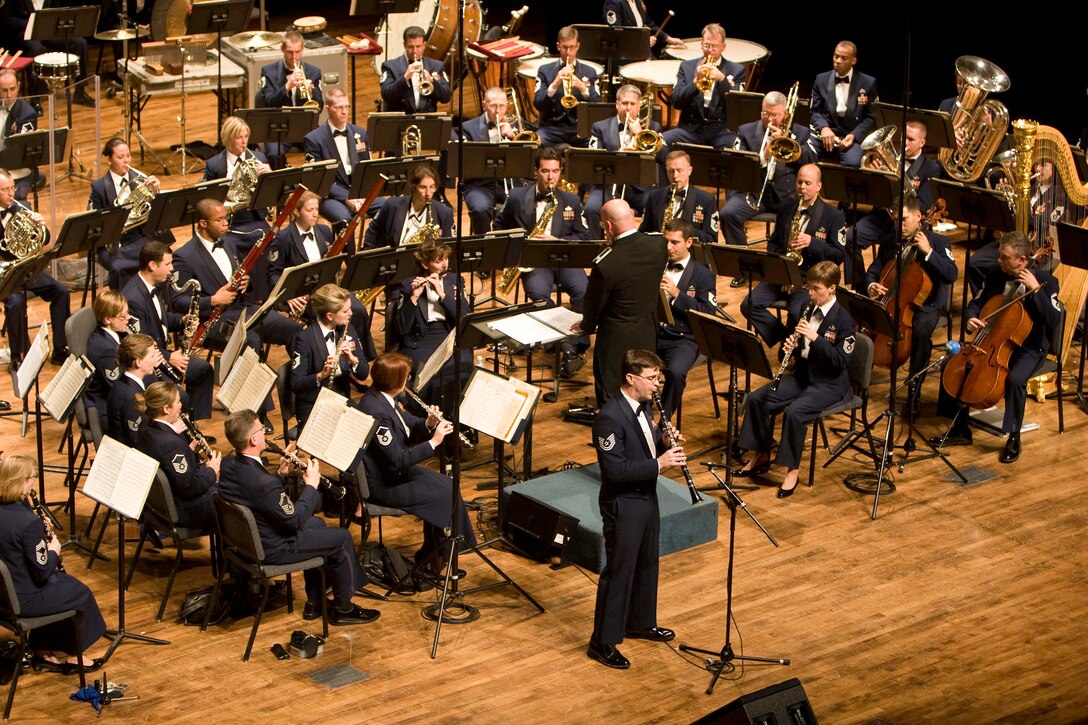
669,215
795,230
429,232
510,277
138,202
795,336
192,318
47,521
242,182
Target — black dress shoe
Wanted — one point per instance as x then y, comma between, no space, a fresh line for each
312,611
654,634
58,358
572,363
955,438
357,615
5,405
738,282
1012,449
607,655
786,493
752,472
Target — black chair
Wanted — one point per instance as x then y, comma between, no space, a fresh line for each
370,510
12,620
287,401
242,547
161,515
1047,366
860,370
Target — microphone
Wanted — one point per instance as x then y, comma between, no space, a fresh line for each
952,347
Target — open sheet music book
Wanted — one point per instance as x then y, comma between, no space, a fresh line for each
120,477
66,387
248,383
235,344
335,431
497,405
437,359
538,326
22,380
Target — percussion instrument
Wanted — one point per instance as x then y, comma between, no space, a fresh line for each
56,69
310,24
120,34
256,40
746,52
654,76
439,18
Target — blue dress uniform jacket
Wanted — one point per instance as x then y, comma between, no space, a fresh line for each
552,112
397,93
618,13
699,209
320,145
123,421
289,250
21,118
519,212
124,263
273,85
386,228
675,343
191,482
102,352
784,181
216,168
308,360
858,119
689,99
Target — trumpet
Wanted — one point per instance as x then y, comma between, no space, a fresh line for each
426,84
335,490
419,401
303,87
569,100
703,81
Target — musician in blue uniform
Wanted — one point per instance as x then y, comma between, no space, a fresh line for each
819,238
631,454
689,286
111,312
687,201
702,113
404,78
633,14
286,83
17,116
401,217
484,196
331,352
347,144
840,110
821,346
288,529
1014,277
401,442
557,123
137,357
32,556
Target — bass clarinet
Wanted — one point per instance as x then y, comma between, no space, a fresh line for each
796,337
336,491
672,437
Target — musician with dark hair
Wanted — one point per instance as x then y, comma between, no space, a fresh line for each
822,343
840,109
557,122
403,219
631,454
287,83
702,111
404,79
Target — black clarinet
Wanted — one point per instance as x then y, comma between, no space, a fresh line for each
47,521
336,491
164,370
197,437
673,440
796,337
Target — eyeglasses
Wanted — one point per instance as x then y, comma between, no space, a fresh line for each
651,378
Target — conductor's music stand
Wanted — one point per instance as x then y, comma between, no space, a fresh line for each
273,187
29,150
279,125
85,233
386,131
1073,250
395,170
177,208
939,132
219,17
612,43
859,186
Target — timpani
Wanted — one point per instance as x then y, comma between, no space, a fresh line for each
654,76
748,53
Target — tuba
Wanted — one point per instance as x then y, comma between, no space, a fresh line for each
138,200
23,237
880,153
980,124
242,182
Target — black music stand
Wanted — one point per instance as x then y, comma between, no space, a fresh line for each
377,8
386,131
219,17
177,208
300,281
489,253
981,209
743,107
612,43
374,267
29,150
598,166
1073,250
879,189
724,169
939,132
273,187
86,232
288,125
395,170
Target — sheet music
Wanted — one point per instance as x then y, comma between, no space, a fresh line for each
248,384
232,349
120,477
66,386
437,359
24,377
495,405
335,431
527,330
559,318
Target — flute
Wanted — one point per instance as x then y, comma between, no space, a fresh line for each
673,439
336,491
419,400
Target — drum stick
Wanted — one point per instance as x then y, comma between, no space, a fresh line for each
11,61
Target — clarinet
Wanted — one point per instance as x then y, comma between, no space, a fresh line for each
40,512
673,439
419,400
197,437
164,370
336,491
795,336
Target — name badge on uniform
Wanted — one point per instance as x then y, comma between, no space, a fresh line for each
359,145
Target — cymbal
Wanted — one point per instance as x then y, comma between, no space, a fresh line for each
253,39
123,34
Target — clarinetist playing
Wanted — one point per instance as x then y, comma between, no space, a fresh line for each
822,342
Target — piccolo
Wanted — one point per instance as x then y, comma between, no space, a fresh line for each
419,400
336,491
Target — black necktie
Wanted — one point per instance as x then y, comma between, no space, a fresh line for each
806,212
647,409
542,197
842,79
675,266
343,133
329,336
491,125
124,182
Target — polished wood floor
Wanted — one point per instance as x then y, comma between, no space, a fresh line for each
957,605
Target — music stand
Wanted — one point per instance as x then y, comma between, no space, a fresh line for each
1073,250
395,170
612,43
177,208
599,166
300,281
981,209
374,267
386,130
219,17
279,125
85,233
490,253
376,8
273,187
743,107
29,150
939,131
879,189
63,24
724,169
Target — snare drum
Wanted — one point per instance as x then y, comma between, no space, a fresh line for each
56,69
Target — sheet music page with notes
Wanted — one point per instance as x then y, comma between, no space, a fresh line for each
235,344
120,477
31,366
437,359
495,405
248,384
527,330
558,318
335,431
66,386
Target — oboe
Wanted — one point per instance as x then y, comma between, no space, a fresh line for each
413,396
40,512
336,491
796,337
673,439
197,437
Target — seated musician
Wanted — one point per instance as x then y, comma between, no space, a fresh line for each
301,241
933,255
44,285
17,116
681,200
484,196
402,218
402,441
14,19
1014,276
32,556
331,352
822,345
347,144
556,123
115,189
137,357
526,209
289,530
689,286
246,225
618,133
149,299
948,105
840,110
192,480
632,14
402,76
702,112
286,84
818,237
780,188
111,312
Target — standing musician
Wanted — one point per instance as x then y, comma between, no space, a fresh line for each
44,285
118,184
137,357
288,529
111,312
404,79
331,352
401,442
681,200
689,286
1013,277
524,209
568,79
631,454
192,480
32,556
246,226
622,296
839,109
287,84
632,14
345,142
818,237
148,296
821,344
484,196
699,93
17,116
933,254
780,188
401,218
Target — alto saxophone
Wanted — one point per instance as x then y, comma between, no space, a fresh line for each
806,313
510,277
429,232
669,214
